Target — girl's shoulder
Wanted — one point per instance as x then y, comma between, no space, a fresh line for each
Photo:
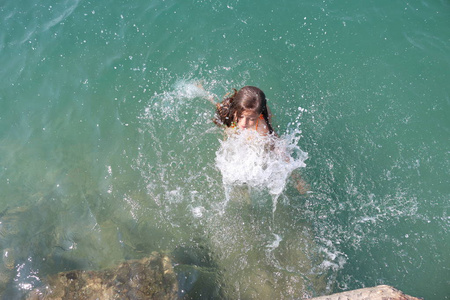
262,127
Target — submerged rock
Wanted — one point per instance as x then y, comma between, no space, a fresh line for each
381,292
148,278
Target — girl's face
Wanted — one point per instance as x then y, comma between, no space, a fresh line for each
248,119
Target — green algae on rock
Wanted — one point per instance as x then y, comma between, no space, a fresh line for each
148,278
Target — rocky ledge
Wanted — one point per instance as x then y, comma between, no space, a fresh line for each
148,278
381,292
153,277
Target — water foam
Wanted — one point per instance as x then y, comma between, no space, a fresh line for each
262,162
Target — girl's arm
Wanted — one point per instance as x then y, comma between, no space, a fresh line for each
210,96
301,185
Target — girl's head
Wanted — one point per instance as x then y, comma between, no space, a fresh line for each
244,108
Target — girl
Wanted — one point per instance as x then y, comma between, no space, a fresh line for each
245,109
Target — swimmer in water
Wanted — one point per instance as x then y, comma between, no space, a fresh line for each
247,109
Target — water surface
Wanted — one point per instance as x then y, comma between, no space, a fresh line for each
108,151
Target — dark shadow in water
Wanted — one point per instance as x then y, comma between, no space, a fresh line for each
197,273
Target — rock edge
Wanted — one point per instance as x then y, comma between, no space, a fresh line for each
381,292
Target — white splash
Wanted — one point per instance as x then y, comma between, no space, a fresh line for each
272,246
262,162
198,211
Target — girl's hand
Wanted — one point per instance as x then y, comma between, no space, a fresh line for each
301,185
210,96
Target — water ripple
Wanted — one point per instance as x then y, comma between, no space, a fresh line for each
61,17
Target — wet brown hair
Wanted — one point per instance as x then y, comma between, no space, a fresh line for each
247,98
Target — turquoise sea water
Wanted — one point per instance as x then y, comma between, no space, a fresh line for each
108,151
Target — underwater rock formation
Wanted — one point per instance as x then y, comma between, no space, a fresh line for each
148,278
381,292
